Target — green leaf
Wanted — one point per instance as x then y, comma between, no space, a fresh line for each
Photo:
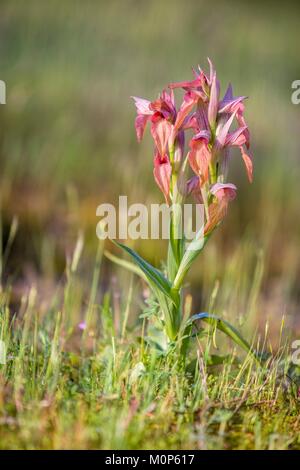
172,265
153,275
168,298
227,328
125,264
193,250
169,309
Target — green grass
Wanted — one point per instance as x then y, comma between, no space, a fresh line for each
105,388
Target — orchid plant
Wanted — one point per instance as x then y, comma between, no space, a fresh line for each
216,125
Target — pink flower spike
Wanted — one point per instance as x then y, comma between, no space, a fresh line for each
217,125
162,173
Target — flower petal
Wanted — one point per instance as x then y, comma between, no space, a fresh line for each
193,187
189,100
199,159
164,105
223,130
236,137
224,191
216,212
162,173
213,101
140,124
190,84
241,122
217,209
229,106
161,130
248,163
211,71
203,135
142,105
228,93
202,118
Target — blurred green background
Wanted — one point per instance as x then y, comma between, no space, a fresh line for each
67,139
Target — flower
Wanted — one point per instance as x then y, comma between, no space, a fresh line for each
217,209
217,126
166,130
224,192
143,115
161,130
162,173
82,325
158,111
200,156
212,121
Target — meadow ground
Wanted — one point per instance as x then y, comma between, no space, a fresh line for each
105,387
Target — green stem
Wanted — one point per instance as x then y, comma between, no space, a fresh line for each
175,243
213,173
